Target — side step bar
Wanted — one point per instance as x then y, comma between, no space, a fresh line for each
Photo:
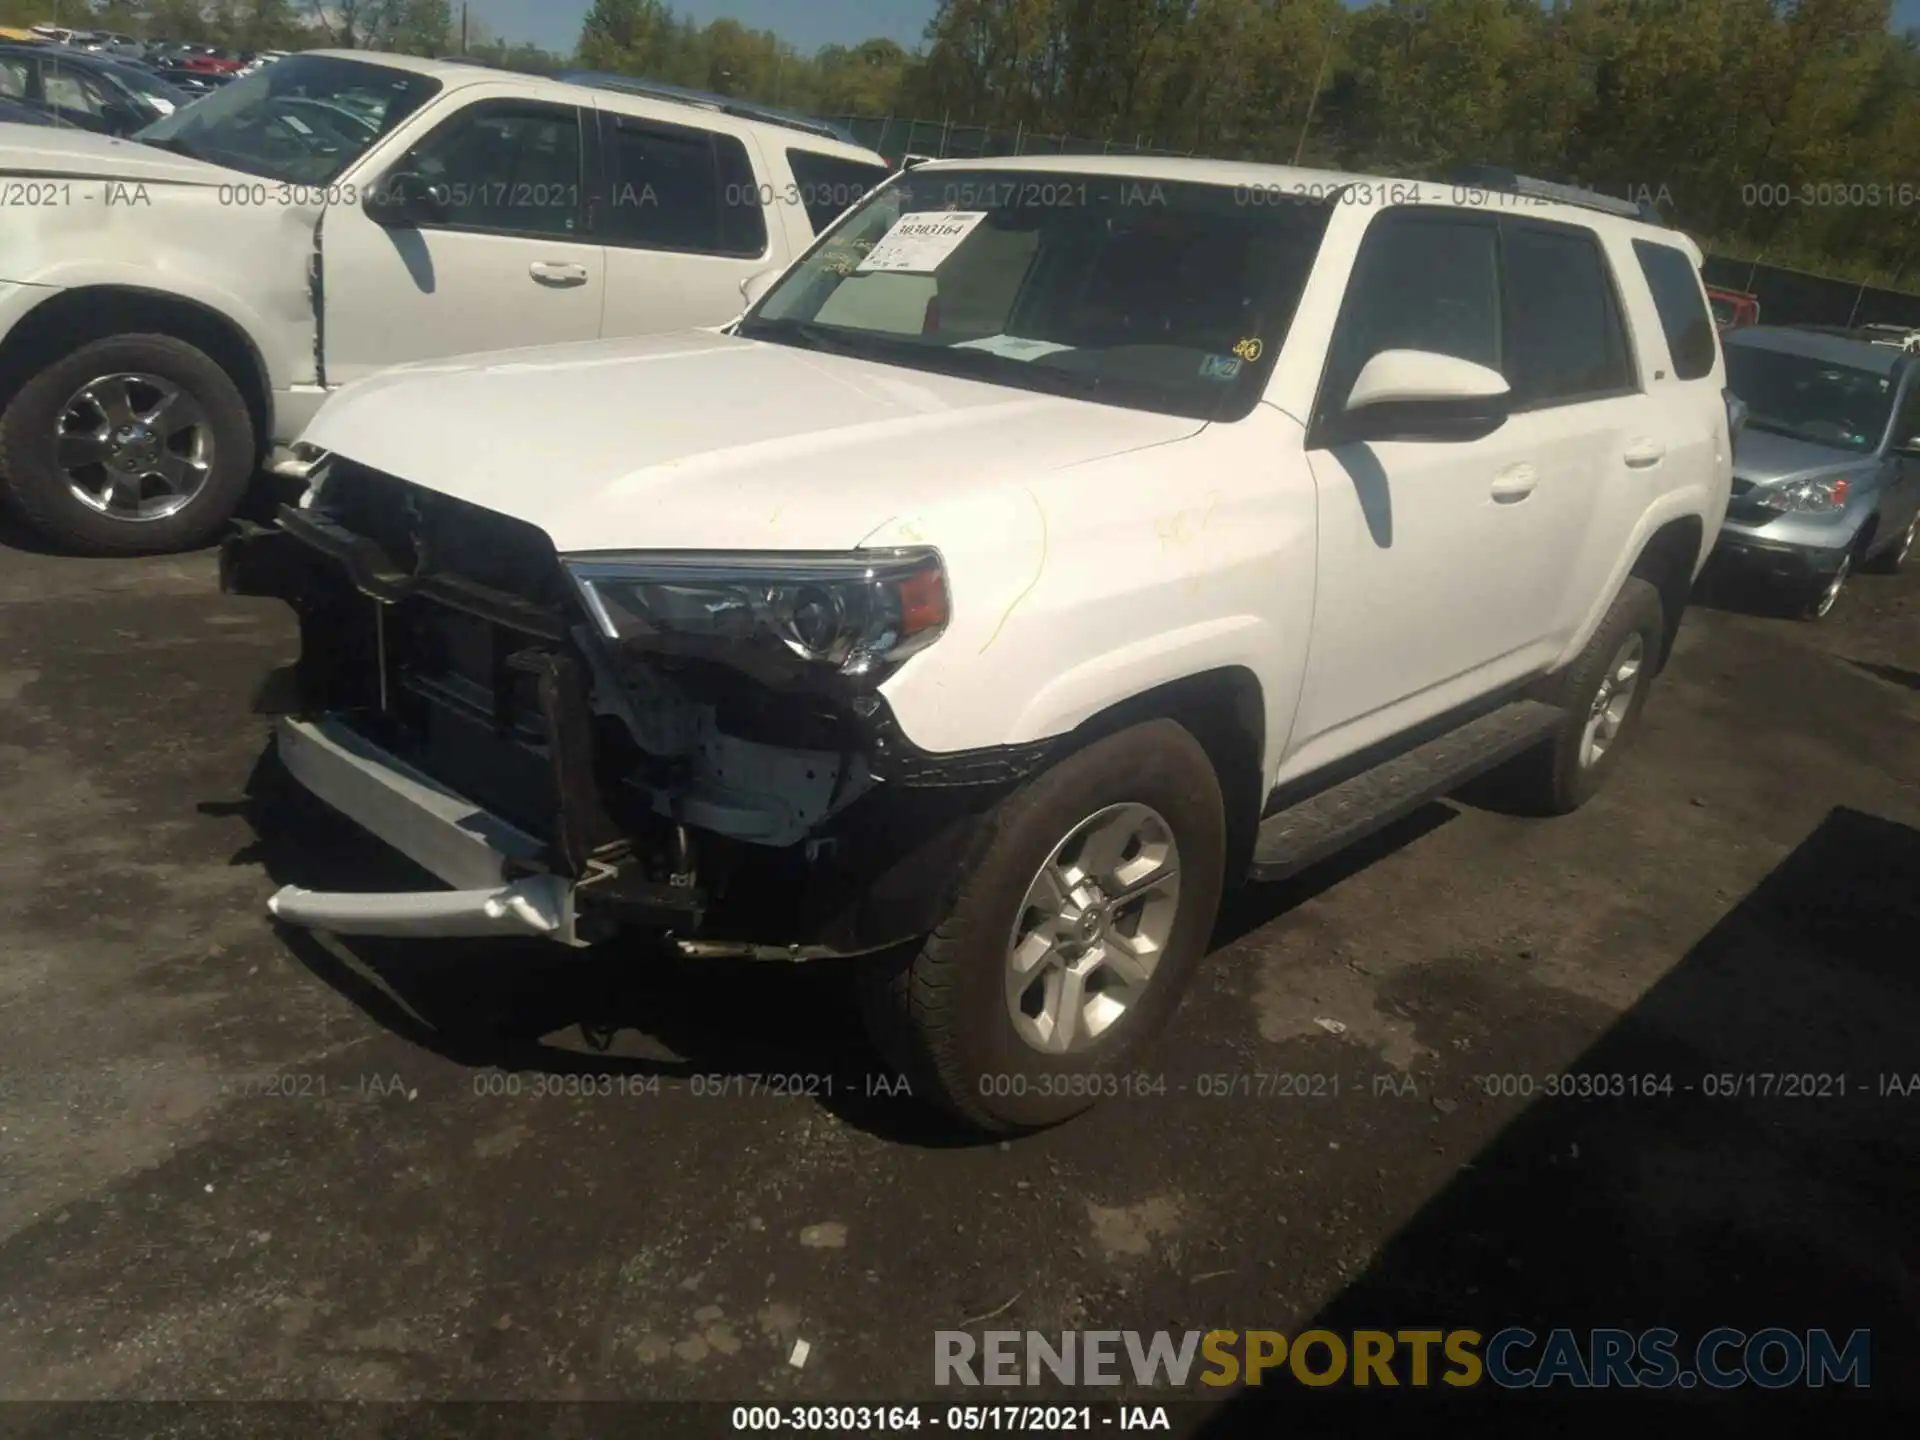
1326,823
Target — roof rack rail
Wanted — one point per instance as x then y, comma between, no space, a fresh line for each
725,104
1493,177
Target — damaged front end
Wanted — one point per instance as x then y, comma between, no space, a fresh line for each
691,746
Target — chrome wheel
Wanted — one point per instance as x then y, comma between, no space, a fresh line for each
1905,546
1092,929
1612,700
135,447
1832,593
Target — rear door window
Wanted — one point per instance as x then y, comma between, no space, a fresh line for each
1678,296
1564,341
680,187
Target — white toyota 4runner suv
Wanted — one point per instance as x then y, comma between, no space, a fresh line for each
174,309
1054,544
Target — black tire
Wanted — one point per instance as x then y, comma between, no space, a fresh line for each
37,489
941,1013
1552,779
1893,559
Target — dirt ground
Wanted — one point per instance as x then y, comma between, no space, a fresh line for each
243,1164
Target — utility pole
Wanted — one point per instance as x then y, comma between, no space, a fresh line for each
1313,100
463,27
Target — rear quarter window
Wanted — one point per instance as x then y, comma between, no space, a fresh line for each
1682,306
829,185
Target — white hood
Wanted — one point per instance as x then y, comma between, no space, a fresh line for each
43,151
698,440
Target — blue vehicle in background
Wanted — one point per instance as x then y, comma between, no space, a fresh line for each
1826,470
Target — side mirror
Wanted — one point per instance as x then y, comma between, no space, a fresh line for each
1421,395
754,286
403,198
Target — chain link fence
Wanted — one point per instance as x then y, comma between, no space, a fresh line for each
1792,297
894,136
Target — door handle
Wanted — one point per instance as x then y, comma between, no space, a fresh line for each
1516,482
1643,454
555,272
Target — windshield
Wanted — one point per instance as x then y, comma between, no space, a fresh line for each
1809,398
269,123
1154,294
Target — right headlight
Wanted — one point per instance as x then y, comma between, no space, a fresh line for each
856,613
1804,497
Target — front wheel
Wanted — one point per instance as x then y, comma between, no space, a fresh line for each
1080,919
1894,558
1826,592
131,445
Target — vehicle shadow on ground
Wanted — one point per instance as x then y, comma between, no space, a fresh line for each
1741,594
1893,674
1697,1209
535,1007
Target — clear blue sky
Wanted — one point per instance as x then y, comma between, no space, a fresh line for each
807,24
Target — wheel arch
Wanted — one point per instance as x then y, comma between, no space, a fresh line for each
74,317
1668,562
1225,710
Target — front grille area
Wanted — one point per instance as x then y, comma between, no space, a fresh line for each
444,694
426,531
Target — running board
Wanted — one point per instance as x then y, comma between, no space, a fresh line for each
1327,823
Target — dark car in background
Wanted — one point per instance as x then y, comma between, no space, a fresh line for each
89,91
18,112
1826,472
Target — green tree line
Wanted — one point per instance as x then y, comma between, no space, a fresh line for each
1783,128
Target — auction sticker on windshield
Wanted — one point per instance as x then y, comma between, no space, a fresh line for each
919,242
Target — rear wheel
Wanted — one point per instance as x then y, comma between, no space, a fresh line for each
131,445
1602,693
1080,920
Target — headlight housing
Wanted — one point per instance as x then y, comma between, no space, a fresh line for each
1803,497
857,613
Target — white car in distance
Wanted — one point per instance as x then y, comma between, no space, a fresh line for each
174,308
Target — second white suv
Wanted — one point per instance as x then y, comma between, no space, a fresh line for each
1060,541
173,309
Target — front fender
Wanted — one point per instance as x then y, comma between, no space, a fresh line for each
255,277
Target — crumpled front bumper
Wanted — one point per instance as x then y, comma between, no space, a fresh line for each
488,863
875,874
